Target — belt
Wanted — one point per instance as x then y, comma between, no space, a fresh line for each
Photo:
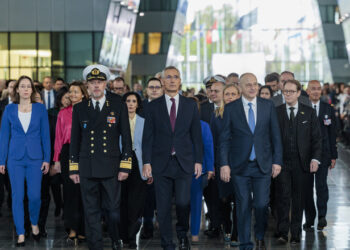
250,161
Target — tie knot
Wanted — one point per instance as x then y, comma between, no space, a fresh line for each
315,106
291,108
250,104
172,99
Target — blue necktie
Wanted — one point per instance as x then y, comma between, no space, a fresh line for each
251,120
48,100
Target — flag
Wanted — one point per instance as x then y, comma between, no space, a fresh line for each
247,20
187,28
208,37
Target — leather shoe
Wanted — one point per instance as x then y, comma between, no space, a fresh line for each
260,245
308,227
322,223
283,239
295,240
117,245
43,232
145,235
183,244
213,233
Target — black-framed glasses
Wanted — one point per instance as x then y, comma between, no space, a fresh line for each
289,92
154,87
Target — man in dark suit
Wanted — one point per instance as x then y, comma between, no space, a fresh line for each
250,149
278,99
172,151
95,158
48,94
154,90
302,148
326,118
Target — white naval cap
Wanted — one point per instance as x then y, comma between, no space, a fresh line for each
96,72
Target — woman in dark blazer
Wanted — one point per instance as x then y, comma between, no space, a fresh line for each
198,184
230,93
25,148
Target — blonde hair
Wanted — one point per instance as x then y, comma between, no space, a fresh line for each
220,111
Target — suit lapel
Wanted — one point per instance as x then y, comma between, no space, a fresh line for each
179,115
164,112
259,112
245,122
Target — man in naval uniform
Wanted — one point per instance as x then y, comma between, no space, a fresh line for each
95,158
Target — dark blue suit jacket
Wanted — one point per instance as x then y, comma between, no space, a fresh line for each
236,139
158,137
14,143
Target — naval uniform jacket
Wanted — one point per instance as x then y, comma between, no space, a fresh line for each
94,147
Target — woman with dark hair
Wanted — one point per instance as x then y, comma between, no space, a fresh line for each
25,148
73,206
265,92
133,191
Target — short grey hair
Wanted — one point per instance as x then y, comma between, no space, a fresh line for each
170,67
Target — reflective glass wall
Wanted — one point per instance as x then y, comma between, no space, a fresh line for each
251,35
39,54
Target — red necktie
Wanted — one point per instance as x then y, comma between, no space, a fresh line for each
173,114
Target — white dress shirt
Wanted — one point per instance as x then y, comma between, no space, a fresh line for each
246,108
52,98
10,101
295,110
169,102
24,118
101,102
317,107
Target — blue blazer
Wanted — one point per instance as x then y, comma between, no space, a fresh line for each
236,139
158,137
14,143
208,148
138,133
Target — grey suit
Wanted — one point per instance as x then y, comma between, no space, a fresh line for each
279,100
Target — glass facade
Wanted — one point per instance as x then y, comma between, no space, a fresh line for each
345,22
158,5
39,54
252,35
151,43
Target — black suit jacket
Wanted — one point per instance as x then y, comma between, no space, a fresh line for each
327,121
42,94
94,147
158,137
309,139
206,112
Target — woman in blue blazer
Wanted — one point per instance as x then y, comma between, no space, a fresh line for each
133,192
25,150
198,184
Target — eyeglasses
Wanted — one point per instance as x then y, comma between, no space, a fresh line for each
287,92
121,88
169,77
154,87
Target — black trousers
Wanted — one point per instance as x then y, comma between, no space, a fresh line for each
214,205
5,183
73,204
320,177
173,179
56,190
45,201
133,195
290,185
98,193
230,216
150,206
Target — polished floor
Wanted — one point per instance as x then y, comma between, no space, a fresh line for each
336,236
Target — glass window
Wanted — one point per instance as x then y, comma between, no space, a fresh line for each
138,43
336,50
57,48
43,72
97,45
4,56
15,73
23,50
169,5
154,39
4,73
166,38
73,74
79,49
44,52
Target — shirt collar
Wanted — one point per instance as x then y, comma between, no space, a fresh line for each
317,104
101,101
245,101
295,106
175,97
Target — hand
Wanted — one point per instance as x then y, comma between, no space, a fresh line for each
2,169
147,171
198,170
276,170
58,166
313,166
211,175
75,178
225,173
122,176
45,167
149,180
332,164
52,170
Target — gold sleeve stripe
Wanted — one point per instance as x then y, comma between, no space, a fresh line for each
73,166
125,164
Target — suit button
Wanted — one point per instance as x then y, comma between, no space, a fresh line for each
104,138
92,145
92,132
105,151
104,131
104,144
92,151
92,138
110,125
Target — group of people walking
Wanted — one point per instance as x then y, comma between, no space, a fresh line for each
119,155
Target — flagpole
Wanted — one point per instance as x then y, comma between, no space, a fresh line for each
188,73
198,43
205,56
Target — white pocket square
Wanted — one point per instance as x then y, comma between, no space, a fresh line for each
304,122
